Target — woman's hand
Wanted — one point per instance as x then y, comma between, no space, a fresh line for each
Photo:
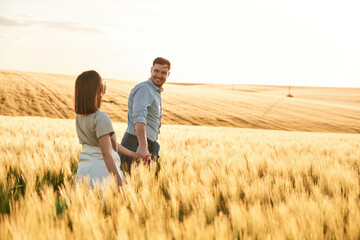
134,156
142,153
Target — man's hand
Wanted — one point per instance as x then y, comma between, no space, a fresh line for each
142,153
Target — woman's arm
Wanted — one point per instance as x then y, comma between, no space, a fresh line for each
113,141
126,152
106,150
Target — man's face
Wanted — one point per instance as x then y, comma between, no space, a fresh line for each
159,74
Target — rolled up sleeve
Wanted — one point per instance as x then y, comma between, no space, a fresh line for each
142,99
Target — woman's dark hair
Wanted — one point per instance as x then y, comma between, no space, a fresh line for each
88,92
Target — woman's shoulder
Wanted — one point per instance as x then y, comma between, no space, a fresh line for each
102,123
98,114
101,115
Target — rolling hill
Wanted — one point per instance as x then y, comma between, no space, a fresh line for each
314,109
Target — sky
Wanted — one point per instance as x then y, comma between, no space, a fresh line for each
278,42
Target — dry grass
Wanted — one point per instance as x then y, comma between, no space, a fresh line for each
246,106
214,183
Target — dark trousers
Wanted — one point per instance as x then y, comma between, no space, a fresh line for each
131,142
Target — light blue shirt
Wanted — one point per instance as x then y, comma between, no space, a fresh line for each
144,105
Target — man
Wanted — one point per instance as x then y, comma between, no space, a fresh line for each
144,115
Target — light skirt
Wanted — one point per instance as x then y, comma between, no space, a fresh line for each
92,164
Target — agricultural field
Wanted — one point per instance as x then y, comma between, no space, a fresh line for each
237,162
214,183
312,109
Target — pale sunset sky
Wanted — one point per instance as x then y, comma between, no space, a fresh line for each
280,42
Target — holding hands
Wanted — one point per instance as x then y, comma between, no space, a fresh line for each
142,154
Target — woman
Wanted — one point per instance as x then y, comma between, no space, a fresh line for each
99,157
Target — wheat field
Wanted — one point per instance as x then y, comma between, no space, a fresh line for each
237,162
214,183
247,106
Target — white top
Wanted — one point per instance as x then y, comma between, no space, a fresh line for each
93,126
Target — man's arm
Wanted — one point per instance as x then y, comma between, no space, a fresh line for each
142,99
140,130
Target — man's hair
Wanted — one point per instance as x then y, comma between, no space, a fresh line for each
162,61
88,89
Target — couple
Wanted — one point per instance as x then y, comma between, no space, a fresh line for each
100,151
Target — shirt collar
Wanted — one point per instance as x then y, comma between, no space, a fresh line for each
156,88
